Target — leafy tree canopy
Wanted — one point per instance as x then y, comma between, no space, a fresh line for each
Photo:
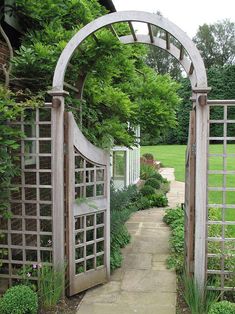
216,43
120,87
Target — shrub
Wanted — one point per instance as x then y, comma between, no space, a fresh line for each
146,171
159,177
154,183
144,203
147,190
158,200
223,307
174,217
148,156
165,187
122,198
19,300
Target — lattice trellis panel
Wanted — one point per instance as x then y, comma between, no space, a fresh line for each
27,237
221,196
89,227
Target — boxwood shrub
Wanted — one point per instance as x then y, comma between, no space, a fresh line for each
19,299
223,307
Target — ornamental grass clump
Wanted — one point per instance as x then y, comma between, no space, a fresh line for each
199,302
19,299
51,285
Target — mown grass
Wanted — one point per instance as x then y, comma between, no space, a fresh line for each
173,156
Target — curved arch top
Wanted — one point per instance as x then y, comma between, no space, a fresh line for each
200,77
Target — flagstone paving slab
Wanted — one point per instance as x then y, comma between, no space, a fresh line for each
143,284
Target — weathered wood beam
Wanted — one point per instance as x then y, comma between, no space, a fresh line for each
150,33
132,31
71,87
181,52
95,38
113,31
191,69
168,45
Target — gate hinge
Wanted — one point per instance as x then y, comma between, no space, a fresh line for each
193,148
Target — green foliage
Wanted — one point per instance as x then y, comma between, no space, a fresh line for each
19,300
147,190
144,203
9,143
174,217
146,171
115,91
159,177
121,199
158,200
122,204
216,43
165,187
199,302
153,182
51,283
223,307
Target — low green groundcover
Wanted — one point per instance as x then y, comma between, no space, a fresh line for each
223,307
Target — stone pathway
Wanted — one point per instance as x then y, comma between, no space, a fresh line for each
143,284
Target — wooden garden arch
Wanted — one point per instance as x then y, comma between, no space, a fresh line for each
191,60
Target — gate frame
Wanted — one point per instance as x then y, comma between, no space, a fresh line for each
196,72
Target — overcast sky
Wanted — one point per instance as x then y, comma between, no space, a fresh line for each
187,14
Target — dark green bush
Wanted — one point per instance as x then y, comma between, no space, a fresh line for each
19,300
158,200
154,183
122,198
148,156
223,307
147,190
158,176
144,203
174,216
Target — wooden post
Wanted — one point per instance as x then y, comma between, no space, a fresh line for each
58,179
201,190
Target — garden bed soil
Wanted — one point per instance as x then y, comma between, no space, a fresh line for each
67,306
181,306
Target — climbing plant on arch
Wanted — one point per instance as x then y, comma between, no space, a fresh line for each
190,59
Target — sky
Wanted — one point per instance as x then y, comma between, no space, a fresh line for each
187,14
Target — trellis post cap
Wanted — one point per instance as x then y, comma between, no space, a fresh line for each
57,92
201,90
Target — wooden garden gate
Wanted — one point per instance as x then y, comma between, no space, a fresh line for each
87,207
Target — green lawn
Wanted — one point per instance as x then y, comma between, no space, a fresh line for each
173,156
